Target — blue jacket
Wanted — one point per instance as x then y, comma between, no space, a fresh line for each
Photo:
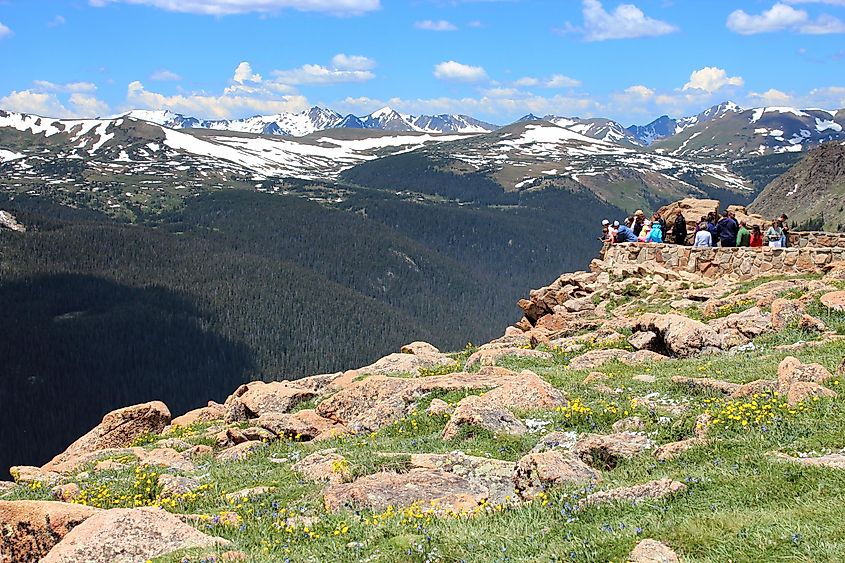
655,234
625,234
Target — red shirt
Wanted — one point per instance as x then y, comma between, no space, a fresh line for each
756,239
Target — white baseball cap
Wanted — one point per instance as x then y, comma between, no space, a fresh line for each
605,222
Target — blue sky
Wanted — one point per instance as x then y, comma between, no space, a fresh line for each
493,59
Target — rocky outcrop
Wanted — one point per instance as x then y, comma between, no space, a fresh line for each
537,472
799,382
119,429
412,358
476,411
212,411
608,450
692,209
125,535
680,336
493,475
525,391
30,529
431,489
652,551
10,222
740,328
325,466
252,400
648,491
675,449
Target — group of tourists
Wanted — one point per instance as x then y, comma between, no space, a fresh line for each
712,230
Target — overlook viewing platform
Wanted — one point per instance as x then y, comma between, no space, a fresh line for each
809,252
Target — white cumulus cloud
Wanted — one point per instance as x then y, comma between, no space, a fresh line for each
230,7
4,31
440,25
343,69
561,81
710,79
783,17
202,105
452,70
164,75
37,103
771,97
527,81
70,87
626,21
243,73
342,61
640,91
56,21
85,105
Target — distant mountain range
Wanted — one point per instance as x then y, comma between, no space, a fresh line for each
161,153
724,130
320,119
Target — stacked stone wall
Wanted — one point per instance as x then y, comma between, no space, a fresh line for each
715,262
805,239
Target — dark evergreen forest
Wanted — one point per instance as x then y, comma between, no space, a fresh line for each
241,285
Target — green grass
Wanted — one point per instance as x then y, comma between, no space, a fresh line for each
742,504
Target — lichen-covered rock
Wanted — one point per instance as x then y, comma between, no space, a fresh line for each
525,391
27,474
118,429
644,340
476,411
363,402
607,450
652,551
791,370
740,328
29,529
438,408
257,398
492,475
801,391
302,426
325,466
123,535
680,336
756,387
208,413
596,358
240,452
786,312
647,491
491,356
537,472
432,489
675,449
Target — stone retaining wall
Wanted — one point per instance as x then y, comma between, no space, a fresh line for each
804,239
714,262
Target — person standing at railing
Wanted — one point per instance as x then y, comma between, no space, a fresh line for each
774,234
743,235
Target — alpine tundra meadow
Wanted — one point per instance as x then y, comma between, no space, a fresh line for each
422,281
